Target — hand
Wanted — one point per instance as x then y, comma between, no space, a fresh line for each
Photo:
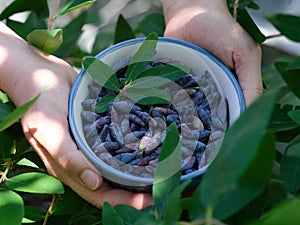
209,24
46,126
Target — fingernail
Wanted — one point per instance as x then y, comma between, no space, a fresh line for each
90,179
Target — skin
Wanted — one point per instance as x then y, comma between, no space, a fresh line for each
209,24
46,126
25,71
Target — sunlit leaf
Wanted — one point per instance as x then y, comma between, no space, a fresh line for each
72,5
141,58
12,207
34,182
147,96
103,74
46,40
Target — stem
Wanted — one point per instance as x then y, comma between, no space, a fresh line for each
49,212
209,215
7,166
235,7
53,16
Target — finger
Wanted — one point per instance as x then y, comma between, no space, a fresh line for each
97,197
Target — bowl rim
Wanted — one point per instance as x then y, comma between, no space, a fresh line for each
87,151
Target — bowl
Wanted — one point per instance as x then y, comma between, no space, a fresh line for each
200,61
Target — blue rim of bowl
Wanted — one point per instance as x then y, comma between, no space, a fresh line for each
86,150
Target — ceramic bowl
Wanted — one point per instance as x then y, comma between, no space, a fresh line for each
196,58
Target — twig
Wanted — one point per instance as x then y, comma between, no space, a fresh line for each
49,211
53,16
235,7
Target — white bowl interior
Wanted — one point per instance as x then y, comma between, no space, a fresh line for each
197,59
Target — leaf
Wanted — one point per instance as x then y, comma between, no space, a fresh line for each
46,40
160,74
168,170
12,207
72,5
223,175
153,22
250,26
280,119
141,58
172,211
123,30
33,182
294,65
110,215
295,115
286,213
253,182
128,214
7,146
37,6
103,105
17,113
290,166
288,25
103,74
5,110
291,77
71,34
147,96
32,214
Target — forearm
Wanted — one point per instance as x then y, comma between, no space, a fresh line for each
24,70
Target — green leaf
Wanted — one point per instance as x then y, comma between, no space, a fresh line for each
71,34
103,105
37,6
168,170
123,30
153,22
34,182
32,214
147,96
103,74
294,65
172,211
291,77
288,25
128,214
72,5
250,26
46,40
253,182
141,58
280,119
110,215
290,166
7,146
160,74
231,163
5,110
12,207
295,115
17,113
286,213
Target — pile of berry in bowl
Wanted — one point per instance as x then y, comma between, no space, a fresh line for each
125,99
